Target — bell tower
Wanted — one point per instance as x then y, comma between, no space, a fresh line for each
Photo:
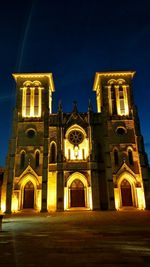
34,92
28,149
113,92
126,164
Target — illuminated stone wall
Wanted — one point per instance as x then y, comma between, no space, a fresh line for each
60,161
127,160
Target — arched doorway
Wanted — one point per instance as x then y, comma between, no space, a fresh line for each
126,193
77,195
28,202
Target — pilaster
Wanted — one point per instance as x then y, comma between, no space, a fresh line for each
10,168
95,189
60,191
45,162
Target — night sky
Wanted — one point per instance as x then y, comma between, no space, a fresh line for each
73,40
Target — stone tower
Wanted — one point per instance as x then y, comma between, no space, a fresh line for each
127,165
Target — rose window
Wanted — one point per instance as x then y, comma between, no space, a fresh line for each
75,137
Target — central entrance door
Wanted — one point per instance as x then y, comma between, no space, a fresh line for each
126,193
28,202
77,194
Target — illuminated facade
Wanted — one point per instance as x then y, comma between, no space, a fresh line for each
60,161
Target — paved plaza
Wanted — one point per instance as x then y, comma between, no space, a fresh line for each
76,238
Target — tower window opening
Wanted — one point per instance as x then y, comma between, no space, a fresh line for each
31,101
130,157
37,159
36,100
28,97
116,157
121,100
113,100
22,159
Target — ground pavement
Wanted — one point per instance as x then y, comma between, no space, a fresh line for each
76,238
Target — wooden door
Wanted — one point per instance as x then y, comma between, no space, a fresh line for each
77,194
28,196
126,193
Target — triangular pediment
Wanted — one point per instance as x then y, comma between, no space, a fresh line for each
125,168
28,170
75,118
28,175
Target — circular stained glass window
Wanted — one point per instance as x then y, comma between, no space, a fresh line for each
75,137
120,131
31,133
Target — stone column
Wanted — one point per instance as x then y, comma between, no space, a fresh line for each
95,190
60,173
10,164
45,163
110,189
44,184
9,190
60,191
109,177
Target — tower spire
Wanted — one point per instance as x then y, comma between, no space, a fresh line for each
60,106
75,109
90,107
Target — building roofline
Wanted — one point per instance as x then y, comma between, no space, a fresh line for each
98,75
36,75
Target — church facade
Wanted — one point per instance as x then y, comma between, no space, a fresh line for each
62,161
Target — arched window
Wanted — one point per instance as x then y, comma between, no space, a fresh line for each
113,100
53,153
36,101
22,159
28,97
31,99
130,157
121,100
116,157
37,159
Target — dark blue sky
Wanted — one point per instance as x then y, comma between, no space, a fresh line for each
73,40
